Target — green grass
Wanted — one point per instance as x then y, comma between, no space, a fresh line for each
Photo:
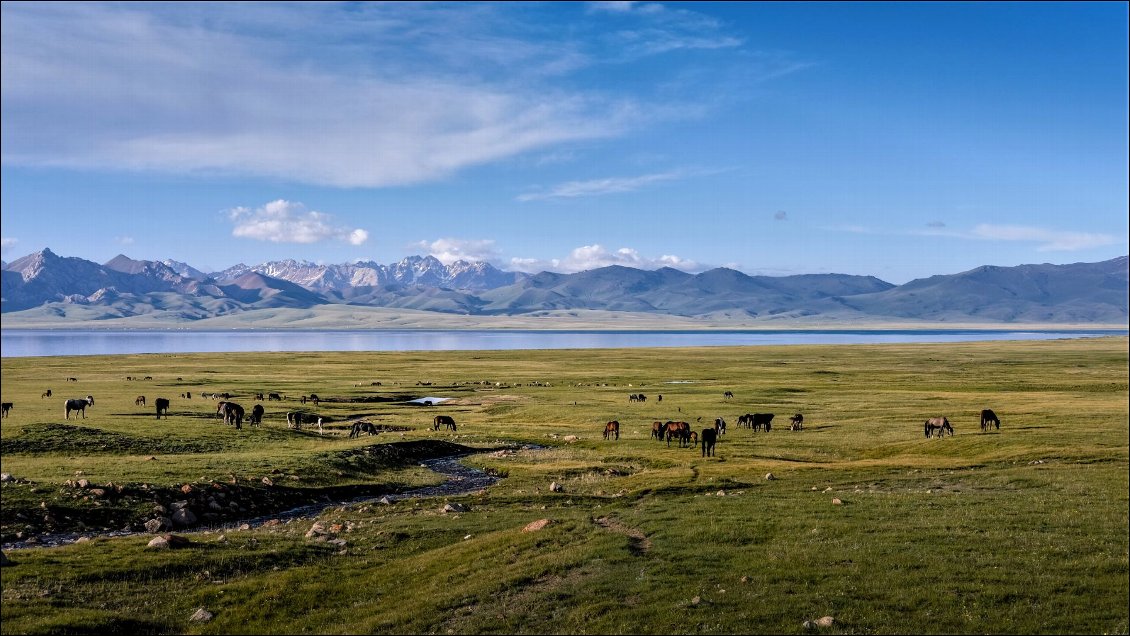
1022,530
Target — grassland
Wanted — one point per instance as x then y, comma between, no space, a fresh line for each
1022,530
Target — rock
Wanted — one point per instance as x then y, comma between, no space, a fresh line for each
6,477
267,481
837,502
83,483
825,621
769,477
187,489
386,501
555,487
83,539
455,507
223,538
316,530
201,615
97,492
809,625
183,517
158,543
721,493
696,600
244,526
177,505
534,526
158,524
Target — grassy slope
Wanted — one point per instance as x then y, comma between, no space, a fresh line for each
1018,531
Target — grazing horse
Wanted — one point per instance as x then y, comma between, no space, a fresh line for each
233,414
186,395
680,431
362,426
443,420
720,426
988,419
612,429
709,438
46,394
728,395
162,407
760,420
938,425
4,408
72,379
796,422
314,398
294,420
140,401
259,396
658,430
77,404
274,396
256,417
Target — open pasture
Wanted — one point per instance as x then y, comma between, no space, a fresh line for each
1018,530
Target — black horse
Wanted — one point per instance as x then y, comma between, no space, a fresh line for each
256,415
989,419
443,420
709,438
162,407
77,404
4,408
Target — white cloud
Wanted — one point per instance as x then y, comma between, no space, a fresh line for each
286,222
218,89
8,243
598,187
124,240
1049,240
595,256
449,250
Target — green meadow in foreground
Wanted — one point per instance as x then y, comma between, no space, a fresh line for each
863,519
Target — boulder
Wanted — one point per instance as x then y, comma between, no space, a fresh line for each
201,615
769,477
825,621
158,524
455,507
534,526
183,517
555,487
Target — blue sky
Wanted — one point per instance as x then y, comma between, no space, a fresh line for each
888,139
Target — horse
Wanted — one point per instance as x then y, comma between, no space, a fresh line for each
658,430
186,395
77,404
937,425
760,420
362,426
46,394
274,396
259,396
314,398
728,395
796,422
679,430
612,428
162,407
720,426
256,417
72,379
294,420
709,438
988,418
140,401
443,420
233,414
4,408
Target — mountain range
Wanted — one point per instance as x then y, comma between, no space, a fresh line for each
45,286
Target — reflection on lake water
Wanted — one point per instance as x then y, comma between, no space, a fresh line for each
32,343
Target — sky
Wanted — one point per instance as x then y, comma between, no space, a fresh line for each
897,140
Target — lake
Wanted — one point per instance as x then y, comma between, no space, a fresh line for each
18,343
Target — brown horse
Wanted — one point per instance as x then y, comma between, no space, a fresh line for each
989,419
938,425
612,429
680,431
658,430
140,401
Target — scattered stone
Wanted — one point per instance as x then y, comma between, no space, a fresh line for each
536,525
187,489
183,517
696,600
386,501
97,492
267,481
466,537
555,487
828,489
316,530
201,615
836,501
825,621
6,477
455,507
721,493
769,477
223,538
158,543
83,539
151,459
244,526
83,483
809,625
158,524
745,579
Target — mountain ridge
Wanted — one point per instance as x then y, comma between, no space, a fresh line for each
46,283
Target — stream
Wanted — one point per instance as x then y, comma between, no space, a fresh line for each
460,480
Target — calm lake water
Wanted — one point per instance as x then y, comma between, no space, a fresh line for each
32,343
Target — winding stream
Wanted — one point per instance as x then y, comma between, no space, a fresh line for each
461,479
